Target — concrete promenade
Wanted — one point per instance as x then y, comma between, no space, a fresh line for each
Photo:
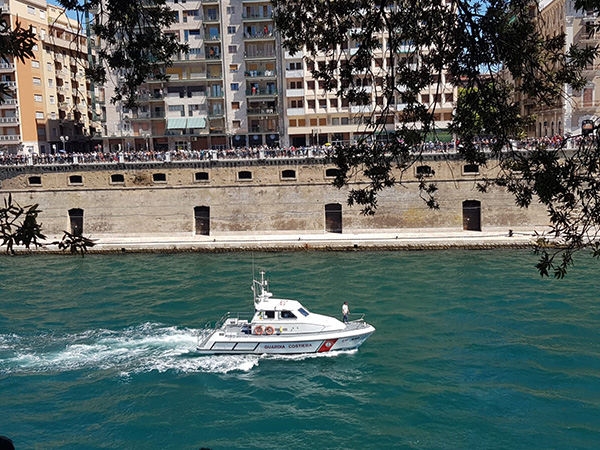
405,239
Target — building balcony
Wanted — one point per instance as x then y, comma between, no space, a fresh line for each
294,92
261,54
10,138
9,121
261,111
156,97
212,37
295,111
260,74
294,73
213,57
7,67
9,103
262,129
211,18
297,55
260,36
261,93
256,17
361,109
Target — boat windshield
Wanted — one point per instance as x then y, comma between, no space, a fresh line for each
303,312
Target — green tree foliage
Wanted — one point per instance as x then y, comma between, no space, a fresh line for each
16,42
496,52
133,44
19,225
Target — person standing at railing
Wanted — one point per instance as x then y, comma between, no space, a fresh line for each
345,311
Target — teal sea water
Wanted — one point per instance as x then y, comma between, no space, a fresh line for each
472,351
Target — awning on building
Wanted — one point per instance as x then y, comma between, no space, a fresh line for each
176,123
196,122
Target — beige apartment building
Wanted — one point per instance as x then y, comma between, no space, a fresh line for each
49,109
238,87
566,116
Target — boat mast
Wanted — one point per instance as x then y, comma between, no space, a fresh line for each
261,289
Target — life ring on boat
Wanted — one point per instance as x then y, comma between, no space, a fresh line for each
269,330
258,330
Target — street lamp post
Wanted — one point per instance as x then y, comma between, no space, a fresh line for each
64,140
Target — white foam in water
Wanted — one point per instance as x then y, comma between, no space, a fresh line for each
139,349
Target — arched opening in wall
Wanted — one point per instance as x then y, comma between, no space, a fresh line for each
76,221
202,220
333,218
471,215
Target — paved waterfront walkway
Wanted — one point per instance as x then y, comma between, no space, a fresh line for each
405,239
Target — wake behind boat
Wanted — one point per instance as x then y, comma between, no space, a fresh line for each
282,326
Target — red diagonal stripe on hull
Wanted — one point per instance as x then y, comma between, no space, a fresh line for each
327,345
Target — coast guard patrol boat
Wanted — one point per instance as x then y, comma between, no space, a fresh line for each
281,326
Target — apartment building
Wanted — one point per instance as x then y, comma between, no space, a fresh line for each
566,116
48,109
238,87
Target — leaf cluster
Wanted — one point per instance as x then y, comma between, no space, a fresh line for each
16,42
496,52
19,226
75,243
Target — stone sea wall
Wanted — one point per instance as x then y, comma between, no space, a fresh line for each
280,196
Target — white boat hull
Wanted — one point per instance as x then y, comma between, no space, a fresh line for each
287,345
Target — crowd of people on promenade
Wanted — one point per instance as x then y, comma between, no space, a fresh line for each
263,152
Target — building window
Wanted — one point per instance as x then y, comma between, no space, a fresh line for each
332,173
76,179
31,10
233,68
35,64
236,123
231,30
232,48
35,181
425,171
288,174
37,81
49,66
39,114
470,169
52,101
231,10
201,176
117,178
50,82
37,98
245,175
235,105
235,86
159,177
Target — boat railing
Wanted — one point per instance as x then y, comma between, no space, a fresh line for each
356,317
232,315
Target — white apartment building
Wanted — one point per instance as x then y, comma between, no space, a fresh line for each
237,87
